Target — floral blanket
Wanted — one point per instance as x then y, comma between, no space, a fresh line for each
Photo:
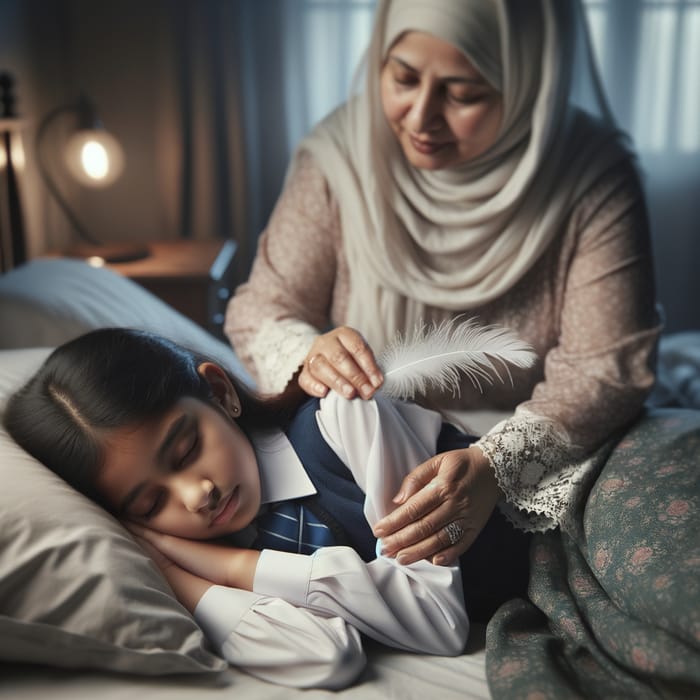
614,609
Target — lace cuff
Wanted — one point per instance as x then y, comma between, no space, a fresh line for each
540,471
278,350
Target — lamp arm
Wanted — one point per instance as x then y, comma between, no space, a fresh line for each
49,181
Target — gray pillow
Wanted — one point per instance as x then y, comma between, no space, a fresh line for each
48,301
75,589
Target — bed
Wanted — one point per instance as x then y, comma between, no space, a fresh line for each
84,613
114,630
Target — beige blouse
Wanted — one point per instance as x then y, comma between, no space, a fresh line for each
587,307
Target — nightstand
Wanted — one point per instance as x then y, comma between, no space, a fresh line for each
196,277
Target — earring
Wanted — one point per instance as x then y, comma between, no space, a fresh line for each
235,410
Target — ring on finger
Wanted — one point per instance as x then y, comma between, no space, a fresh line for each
312,359
454,532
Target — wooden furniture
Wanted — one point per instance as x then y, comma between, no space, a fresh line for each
196,277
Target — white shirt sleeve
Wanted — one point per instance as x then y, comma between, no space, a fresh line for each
278,642
419,607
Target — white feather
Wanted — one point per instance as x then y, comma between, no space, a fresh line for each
439,355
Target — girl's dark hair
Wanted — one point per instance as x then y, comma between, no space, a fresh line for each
112,378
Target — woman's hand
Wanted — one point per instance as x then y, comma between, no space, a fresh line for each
445,503
340,360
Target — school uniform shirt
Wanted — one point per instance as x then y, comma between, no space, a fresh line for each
299,625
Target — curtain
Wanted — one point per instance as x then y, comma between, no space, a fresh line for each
649,57
298,61
204,179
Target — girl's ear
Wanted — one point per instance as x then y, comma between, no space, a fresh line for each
224,392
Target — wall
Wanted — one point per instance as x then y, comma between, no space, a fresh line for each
115,54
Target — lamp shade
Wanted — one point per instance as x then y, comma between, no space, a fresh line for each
94,157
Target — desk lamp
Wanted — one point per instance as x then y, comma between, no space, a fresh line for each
95,159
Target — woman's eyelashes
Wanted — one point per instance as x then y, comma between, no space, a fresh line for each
459,96
405,78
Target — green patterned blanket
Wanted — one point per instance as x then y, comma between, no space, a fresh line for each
614,609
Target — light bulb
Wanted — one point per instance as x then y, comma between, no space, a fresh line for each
94,157
95,160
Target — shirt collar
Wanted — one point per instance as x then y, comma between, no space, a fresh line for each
282,475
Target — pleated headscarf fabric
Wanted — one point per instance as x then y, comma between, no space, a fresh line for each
424,242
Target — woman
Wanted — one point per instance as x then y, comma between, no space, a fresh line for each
466,179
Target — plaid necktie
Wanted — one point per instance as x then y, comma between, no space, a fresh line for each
290,527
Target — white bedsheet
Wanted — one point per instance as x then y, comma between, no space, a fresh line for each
390,675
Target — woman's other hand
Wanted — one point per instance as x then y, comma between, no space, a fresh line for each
444,504
340,360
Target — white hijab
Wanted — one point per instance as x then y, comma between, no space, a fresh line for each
418,241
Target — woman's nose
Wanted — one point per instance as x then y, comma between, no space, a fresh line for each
197,494
425,112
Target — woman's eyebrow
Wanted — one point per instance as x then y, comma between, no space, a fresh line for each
476,80
173,431
402,63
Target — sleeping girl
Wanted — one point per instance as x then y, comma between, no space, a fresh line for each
259,510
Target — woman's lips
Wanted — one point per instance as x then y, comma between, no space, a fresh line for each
228,507
426,147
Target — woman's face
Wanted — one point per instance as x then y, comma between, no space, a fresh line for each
191,473
440,107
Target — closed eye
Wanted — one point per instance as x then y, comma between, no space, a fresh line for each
466,99
191,449
157,504
406,79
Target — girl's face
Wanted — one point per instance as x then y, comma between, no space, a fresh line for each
440,107
191,473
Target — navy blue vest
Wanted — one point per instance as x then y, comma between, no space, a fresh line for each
494,569
340,500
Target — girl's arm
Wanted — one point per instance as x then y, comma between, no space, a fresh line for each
264,636
418,607
223,565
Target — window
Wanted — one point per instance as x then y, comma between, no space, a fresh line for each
324,42
649,56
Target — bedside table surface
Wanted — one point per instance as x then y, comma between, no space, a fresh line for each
180,258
